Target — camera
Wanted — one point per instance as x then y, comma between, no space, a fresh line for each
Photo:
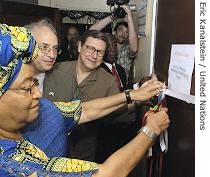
119,11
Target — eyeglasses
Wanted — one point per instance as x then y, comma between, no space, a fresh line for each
27,90
91,49
45,49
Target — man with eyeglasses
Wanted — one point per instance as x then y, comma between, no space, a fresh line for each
84,79
46,37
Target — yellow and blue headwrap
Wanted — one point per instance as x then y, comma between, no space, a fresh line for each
17,46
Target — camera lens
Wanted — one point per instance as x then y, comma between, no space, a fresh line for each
122,2
120,12
110,2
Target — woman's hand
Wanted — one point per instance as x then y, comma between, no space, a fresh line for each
158,122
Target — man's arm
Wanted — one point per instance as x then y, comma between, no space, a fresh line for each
101,23
126,158
98,108
132,36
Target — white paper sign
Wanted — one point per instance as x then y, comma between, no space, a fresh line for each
181,96
181,68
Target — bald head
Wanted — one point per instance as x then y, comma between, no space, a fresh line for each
43,34
43,22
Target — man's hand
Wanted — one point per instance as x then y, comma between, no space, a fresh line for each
148,90
128,12
148,79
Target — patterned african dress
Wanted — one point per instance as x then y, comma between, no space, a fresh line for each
35,159
23,157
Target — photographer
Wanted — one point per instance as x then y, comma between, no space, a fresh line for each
127,42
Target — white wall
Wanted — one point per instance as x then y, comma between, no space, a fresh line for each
44,3
143,60
81,5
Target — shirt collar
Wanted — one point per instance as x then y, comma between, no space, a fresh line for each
41,77
91,77
109,65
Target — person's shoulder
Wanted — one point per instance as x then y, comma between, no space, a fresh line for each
45,103
65,66
107,82
105,75
49,111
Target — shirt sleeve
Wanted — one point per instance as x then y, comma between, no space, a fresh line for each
10,167
132,55
113,89
71,111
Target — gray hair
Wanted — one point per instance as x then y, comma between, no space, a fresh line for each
42,22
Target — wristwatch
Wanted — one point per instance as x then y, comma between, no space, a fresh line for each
128,96
148,132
